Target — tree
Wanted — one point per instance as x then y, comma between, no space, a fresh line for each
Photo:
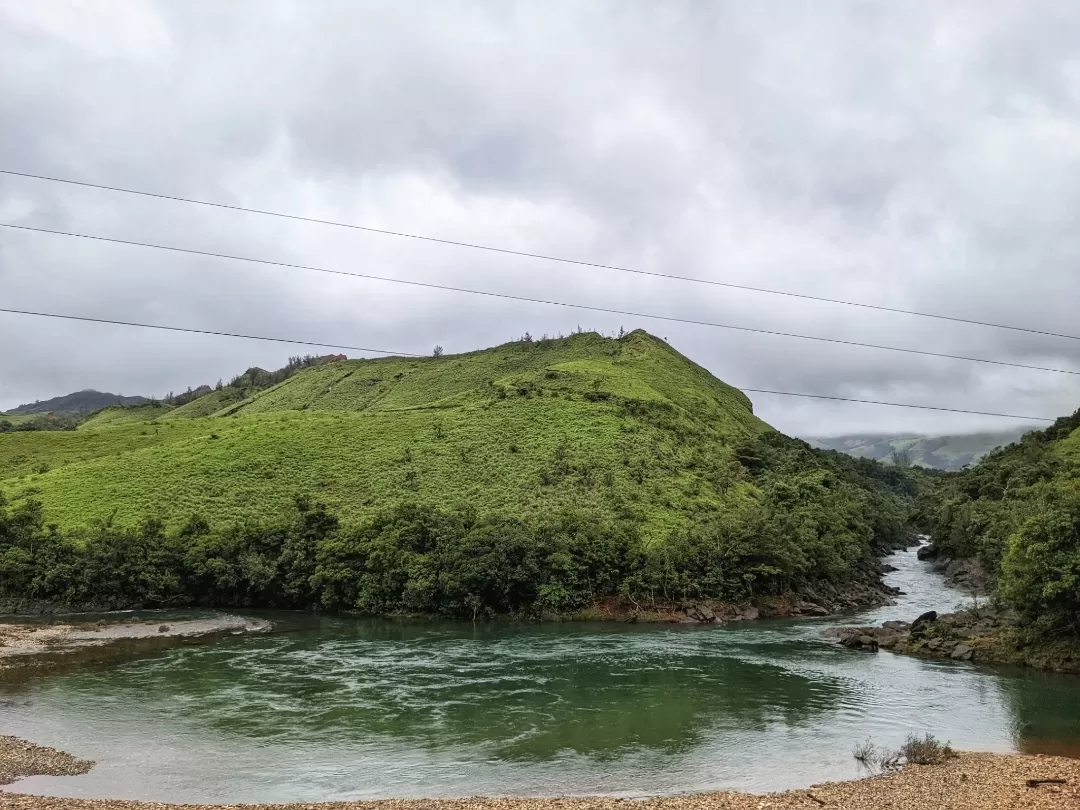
1040,572
901,458
438,352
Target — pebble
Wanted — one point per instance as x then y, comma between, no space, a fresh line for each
967,782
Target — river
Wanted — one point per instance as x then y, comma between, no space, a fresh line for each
331,708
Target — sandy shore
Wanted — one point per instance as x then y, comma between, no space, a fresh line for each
968,782
20,643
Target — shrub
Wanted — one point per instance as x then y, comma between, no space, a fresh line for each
864,751
925,750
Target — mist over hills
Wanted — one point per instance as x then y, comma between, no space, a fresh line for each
936,452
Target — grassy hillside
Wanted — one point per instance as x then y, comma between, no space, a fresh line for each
1018,511
626,428
532,476
935,452
124,414
18,418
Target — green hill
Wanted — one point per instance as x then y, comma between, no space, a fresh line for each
935,452
114,415
560,448
1018,512
518,428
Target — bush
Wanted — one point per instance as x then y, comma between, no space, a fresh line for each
864,751
925,750
916,750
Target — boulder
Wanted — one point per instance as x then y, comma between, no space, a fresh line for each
750,614
889,640
962,653
864,642
968,574
927,552
701,613
918,627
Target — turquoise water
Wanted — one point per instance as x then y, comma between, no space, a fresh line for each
340,708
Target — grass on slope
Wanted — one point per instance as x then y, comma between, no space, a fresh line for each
514,457
124,414
18,418
207,405
624,428
637,367
23,453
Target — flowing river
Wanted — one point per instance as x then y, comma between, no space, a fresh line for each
342,708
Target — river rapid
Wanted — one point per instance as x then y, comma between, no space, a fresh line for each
333,708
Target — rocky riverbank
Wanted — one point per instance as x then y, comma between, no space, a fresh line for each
864,592
984,636
963,573
966,782
29,643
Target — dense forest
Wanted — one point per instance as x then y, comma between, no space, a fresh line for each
1018,512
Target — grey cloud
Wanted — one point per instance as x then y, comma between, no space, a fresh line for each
918,155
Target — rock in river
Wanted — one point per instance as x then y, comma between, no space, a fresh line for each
962,653
918,627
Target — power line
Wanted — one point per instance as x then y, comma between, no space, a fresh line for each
542,256
508,296
410,354
895,404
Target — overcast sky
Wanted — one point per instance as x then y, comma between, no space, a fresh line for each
920,155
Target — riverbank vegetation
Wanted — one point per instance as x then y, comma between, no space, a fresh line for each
1018,512
533,478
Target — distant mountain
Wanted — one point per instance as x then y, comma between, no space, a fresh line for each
937,452
80,402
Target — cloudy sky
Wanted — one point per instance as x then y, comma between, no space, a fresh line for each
918,155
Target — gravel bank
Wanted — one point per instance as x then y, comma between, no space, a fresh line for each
20,643
19,758
969,782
